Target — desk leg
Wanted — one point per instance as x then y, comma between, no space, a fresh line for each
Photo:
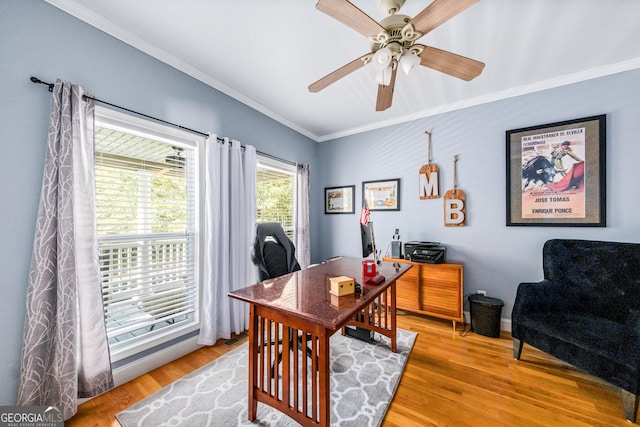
324,407
394,346
380,316
253,363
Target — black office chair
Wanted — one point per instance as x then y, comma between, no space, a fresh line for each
274,255
273,252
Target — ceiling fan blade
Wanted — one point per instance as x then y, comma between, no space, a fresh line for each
450,63
439,12
351,16
337,74
385,93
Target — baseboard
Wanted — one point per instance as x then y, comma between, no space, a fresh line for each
153,361
505,324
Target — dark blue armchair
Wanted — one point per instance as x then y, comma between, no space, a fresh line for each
586,312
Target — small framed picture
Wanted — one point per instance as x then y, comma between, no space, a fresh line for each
382,195
556,174
339,200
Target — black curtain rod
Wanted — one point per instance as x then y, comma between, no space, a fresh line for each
38,81
85,97
50,85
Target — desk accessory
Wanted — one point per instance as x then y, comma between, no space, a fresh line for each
368,267
378,279
410,247
429,255
342,285
396,245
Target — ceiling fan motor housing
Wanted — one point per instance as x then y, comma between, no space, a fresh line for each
394,39
391,7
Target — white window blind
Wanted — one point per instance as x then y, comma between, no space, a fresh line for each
146,222
275,191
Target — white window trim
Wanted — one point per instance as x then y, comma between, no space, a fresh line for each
268,162
134,124
279,165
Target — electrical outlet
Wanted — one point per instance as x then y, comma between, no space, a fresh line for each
480,292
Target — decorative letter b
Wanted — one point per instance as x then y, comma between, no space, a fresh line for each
453,211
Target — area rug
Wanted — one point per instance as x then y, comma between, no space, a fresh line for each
364,378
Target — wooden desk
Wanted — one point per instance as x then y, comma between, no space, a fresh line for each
300,305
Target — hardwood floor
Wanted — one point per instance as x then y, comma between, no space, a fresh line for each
449,380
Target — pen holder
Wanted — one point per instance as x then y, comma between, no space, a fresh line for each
368,268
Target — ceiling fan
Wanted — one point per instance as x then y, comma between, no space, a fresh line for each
393,43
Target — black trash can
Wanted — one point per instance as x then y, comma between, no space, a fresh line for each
485,315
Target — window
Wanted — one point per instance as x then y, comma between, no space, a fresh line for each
147,222
275,193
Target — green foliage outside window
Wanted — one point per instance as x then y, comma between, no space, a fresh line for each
275,199
119,196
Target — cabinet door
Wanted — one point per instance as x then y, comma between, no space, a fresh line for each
407,290
441,289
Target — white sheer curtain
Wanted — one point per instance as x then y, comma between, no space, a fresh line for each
301,237
230,217
65,352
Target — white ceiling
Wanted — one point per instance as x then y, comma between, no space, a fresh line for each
266,53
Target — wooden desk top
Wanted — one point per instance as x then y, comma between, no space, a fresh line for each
305,294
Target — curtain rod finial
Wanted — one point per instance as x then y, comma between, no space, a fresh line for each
37,80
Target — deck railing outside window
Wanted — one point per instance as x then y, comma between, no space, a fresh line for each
145,198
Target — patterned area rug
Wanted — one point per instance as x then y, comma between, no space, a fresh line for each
364,378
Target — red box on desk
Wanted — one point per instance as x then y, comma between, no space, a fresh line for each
368,267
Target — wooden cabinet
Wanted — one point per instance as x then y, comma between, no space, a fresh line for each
431,289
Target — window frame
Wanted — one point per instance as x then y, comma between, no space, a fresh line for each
169,134
268,162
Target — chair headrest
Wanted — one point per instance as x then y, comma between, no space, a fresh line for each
265,231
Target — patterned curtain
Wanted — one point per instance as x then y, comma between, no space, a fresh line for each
301,238
65,352
230,206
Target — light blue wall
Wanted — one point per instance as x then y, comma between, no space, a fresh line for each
496,257
38,39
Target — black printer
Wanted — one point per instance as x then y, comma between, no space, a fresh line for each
427,252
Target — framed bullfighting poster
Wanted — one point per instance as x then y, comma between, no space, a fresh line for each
556,174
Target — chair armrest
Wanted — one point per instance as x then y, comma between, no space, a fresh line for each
532,298
536,297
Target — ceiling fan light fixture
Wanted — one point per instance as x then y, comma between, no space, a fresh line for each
383,77
408,61
382,58
393,43
177,160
